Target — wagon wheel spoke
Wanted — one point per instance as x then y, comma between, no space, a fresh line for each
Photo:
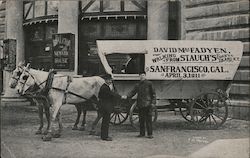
218,116
122,116
214,119
119,118
112,116
203,118
201,105
115,118
185,112
135,118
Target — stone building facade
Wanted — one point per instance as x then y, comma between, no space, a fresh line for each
32,24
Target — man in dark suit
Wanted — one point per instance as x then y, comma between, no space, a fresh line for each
146,100
107,100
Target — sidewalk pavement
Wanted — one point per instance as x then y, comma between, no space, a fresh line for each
222,148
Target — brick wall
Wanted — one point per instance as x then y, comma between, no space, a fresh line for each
223,20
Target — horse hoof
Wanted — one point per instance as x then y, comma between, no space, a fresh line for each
56,135
46,138
45,132
38,132
82,128
75,128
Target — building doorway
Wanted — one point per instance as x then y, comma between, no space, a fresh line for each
105,29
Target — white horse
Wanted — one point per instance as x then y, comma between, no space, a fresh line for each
64,89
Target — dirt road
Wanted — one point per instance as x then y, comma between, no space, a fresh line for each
173,136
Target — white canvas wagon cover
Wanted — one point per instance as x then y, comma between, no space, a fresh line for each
179,59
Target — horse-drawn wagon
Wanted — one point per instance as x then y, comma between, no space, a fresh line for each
194,76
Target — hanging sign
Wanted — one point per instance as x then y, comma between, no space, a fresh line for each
63,51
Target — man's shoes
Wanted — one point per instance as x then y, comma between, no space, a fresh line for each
107,139
140,136
150,137
92,133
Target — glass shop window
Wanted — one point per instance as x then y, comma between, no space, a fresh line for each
126,63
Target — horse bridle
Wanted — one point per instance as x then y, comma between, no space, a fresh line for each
24,83
18,74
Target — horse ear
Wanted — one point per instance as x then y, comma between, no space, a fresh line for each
28,66
21,63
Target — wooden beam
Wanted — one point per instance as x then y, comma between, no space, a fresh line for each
88,5
138,5
27,13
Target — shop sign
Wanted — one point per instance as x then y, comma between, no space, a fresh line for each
63,51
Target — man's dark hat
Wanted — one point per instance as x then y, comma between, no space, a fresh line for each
142,72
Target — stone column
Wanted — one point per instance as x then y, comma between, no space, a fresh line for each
14,26
68,12
157,20
14,30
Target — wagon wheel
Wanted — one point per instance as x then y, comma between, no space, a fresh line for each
120,113
134,118
185,110
209,110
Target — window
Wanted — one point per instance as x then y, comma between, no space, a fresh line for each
38,45
126,63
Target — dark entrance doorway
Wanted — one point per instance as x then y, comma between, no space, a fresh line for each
105,29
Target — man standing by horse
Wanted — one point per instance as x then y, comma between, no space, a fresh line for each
107,100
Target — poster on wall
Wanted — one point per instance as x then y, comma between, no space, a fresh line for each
9,53
63,51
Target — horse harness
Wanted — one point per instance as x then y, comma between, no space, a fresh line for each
48,86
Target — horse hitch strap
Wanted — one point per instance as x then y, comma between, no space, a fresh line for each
48,84
69,80
66,91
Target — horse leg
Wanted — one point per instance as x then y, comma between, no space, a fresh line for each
54,112
94,124
57,133
84,111
47,113
40,114
79,111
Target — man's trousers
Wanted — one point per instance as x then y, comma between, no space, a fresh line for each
145,117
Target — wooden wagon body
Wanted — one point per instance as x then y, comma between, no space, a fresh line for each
194,76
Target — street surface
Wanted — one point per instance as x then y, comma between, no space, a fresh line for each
173,138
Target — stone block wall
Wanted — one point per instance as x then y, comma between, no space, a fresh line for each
224,20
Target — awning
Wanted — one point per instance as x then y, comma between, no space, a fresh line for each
40,20
90,17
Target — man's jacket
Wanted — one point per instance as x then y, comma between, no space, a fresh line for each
145,94
107,99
